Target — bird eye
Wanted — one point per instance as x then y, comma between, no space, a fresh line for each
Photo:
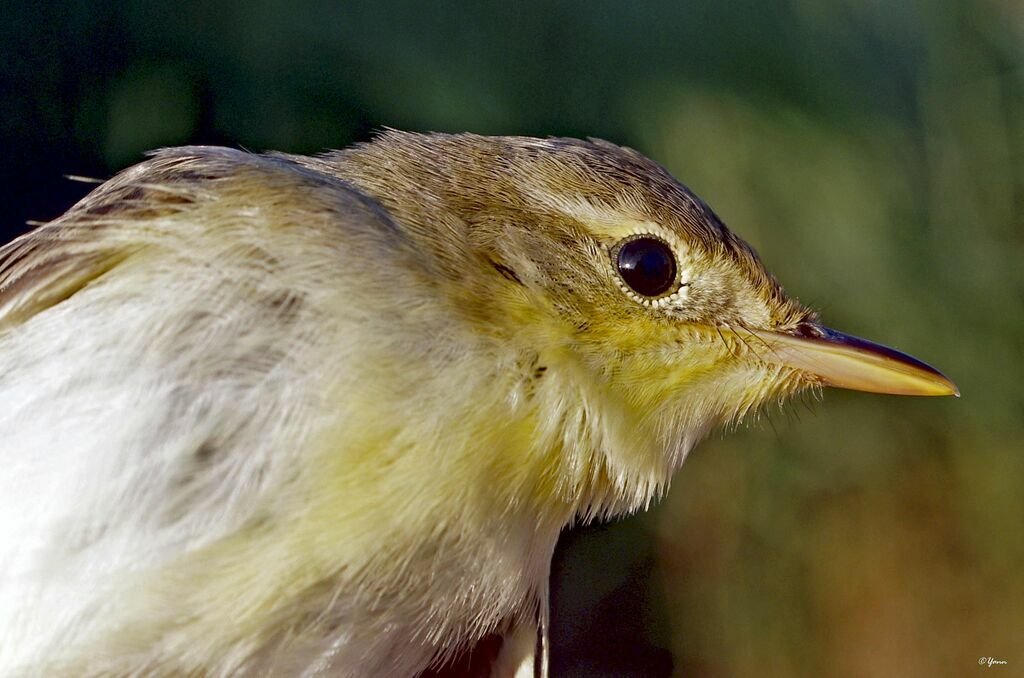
647,265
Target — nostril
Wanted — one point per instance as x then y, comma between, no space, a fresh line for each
808,330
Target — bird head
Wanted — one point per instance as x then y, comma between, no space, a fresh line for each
620,289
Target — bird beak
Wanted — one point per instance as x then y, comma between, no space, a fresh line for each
844,361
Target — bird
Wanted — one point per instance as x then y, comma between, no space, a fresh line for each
272,414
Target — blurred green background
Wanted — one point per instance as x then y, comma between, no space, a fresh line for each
873,152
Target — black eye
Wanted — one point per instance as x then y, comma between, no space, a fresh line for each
647,265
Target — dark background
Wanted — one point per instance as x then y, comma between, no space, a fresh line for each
873,152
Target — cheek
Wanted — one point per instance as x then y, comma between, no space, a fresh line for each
698,393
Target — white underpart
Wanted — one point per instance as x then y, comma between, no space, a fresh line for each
101,416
